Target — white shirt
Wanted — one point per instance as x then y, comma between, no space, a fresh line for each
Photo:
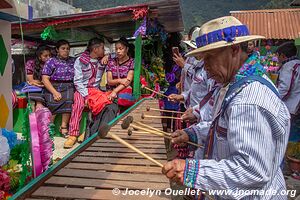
292,101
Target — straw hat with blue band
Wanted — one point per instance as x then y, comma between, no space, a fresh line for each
192,42
221,32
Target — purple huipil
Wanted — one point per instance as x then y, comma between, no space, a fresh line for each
119,70
59,69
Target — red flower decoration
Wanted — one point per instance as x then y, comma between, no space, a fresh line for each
268,47
139,13
143,81
2,194
4,181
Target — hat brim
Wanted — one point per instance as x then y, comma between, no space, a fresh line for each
190,44
221,44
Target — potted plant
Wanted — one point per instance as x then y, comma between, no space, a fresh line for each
293,156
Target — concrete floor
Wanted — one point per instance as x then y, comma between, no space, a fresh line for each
59,151
293,184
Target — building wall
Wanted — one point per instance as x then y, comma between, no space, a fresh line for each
46,8
6,77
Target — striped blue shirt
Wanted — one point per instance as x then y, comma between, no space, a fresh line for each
249,155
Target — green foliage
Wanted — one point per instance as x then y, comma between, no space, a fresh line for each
73,35
49,33
15,153
153,64
273,4
25,153
293,150
296,156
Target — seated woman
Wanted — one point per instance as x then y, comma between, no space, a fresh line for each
34,69
58,75
120,70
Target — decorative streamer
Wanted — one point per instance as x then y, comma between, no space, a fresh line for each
139,13
49,33
35,145
46,143
25,154
142,29
41,143
79,17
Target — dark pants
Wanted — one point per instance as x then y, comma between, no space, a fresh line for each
123,108
167,123
104,117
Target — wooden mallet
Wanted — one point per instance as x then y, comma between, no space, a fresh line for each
126,122
170,111
104,131
143,116
161,94
151,130
147,131
162,134
129,119
130,131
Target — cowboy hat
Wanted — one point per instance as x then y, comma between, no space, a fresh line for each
221,32
192,42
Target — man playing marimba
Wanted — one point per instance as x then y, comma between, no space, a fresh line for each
248,136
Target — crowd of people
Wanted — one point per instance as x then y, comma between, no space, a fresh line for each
67,84
230,105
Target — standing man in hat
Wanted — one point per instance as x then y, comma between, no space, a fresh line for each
197,87
289,85
249,133
194,81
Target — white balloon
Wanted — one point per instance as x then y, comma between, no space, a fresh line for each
4,150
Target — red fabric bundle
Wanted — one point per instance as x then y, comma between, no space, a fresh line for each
97,100
125,97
